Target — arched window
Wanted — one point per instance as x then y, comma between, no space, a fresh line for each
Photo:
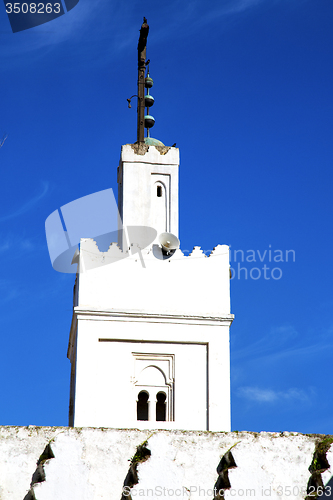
153,388
160,407
159,207
142,406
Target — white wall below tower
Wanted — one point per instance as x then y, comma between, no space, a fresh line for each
178,307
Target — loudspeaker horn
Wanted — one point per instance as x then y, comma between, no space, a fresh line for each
169,242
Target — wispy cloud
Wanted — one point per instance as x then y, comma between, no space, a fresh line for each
14,246
27,245
28,205
277,339
230,7
92,22
272,396
285,341
41,39
4,246
8,291
193,17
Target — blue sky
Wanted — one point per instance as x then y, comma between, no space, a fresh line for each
244,87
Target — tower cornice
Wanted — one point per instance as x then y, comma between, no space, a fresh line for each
139,316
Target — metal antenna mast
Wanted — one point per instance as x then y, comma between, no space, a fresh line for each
142,45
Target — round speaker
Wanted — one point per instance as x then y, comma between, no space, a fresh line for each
169,242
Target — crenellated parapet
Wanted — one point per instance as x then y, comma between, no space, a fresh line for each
152,281
92,257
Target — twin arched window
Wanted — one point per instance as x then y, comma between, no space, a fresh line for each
143,403
153,385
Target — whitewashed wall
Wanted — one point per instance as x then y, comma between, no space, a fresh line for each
91,464
179,306
138,176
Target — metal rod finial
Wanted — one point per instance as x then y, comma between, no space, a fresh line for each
142,46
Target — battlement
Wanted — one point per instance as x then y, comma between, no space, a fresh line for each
145,279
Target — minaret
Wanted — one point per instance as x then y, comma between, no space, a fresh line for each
147,176
149,341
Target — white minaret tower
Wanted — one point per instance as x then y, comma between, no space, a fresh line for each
149,341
